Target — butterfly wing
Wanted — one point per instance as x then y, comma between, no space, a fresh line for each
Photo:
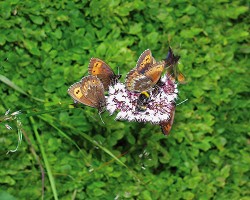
166,126
137,82
181,78
76,92
103,72
154,72
93,90
129,79
171,59
145,61
171,63
176,75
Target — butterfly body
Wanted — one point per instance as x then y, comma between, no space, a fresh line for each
89,91
146,73
103,71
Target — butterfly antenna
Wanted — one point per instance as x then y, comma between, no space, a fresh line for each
181,102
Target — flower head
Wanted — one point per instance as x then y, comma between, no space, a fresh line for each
157,109
10,117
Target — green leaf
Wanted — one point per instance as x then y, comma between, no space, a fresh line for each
190,33
6,196
2,39
5,10
188,195
235,12
225,171
32,47
220,142
135,28
36,19
46,46
146,195
49,85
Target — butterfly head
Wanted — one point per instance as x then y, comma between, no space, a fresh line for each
171,59
115,78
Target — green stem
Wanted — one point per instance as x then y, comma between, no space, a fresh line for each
46,162
44,112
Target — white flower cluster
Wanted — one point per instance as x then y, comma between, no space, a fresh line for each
158,108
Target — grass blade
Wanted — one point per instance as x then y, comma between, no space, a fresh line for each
17,88
46,162
66,136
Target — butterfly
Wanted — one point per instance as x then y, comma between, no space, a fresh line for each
89,91
171,63
146,73
166,126
103,72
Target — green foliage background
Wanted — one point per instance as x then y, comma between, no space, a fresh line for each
48,45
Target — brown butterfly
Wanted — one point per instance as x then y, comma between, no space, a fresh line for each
146,73
89,91
171,63
103,72
166,126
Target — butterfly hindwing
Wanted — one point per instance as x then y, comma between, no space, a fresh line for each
137,82
166,126
75,91
89,91
93,90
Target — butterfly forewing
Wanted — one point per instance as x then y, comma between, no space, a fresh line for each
145,61
171,64
103,71
171,59
154,72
